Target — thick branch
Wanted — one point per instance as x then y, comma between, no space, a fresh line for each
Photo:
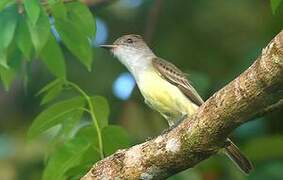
203,134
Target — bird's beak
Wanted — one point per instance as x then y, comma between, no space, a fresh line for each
110,46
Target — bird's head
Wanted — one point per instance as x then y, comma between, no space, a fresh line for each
129,48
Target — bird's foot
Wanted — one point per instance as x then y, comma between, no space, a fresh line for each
173,124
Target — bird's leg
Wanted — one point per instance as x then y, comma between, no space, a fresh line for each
179,120
174,122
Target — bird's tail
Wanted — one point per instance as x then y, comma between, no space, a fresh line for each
233,152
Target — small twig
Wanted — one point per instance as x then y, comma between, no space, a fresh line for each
92,114
274,107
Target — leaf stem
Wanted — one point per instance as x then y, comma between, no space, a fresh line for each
85,109
92,114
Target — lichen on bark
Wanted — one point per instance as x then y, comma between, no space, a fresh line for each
256,91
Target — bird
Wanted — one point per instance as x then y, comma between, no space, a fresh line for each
165,87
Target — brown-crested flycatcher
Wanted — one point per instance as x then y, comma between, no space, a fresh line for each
164,87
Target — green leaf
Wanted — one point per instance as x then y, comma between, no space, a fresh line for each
114,138
101,110
79,171
3,59
54,115
90,157
23,38
65,158
58,10
8,23
40,32
8,72
274,5
50,86
52,94
89,132
68,126
53,58
7,77
14,57
80,14
74,39
33,10
51,2
3,4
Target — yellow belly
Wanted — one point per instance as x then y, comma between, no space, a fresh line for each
164,97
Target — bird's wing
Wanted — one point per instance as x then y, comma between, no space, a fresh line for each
176,77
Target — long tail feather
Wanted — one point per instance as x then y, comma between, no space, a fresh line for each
238,158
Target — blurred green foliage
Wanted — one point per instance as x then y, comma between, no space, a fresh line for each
275,4
212,41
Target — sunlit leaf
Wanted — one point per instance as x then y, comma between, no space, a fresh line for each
89,132
8,23
53,58
54,115
50,86
3,4
3,59
74,39
32,9
117,136
8,73
65,158
79,171
71,122
67,127
90,157
14,56
274,5
51,2
52,94
7,77
80,14
23,38
101,110
40,32
58,10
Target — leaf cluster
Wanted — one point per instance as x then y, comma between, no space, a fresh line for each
78,143
30,30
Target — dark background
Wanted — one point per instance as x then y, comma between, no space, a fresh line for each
212,41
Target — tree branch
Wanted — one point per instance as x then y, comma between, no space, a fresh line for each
272,108
204,133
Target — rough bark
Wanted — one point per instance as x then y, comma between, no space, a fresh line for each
203,134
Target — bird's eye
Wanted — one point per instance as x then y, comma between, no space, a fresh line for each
129,40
